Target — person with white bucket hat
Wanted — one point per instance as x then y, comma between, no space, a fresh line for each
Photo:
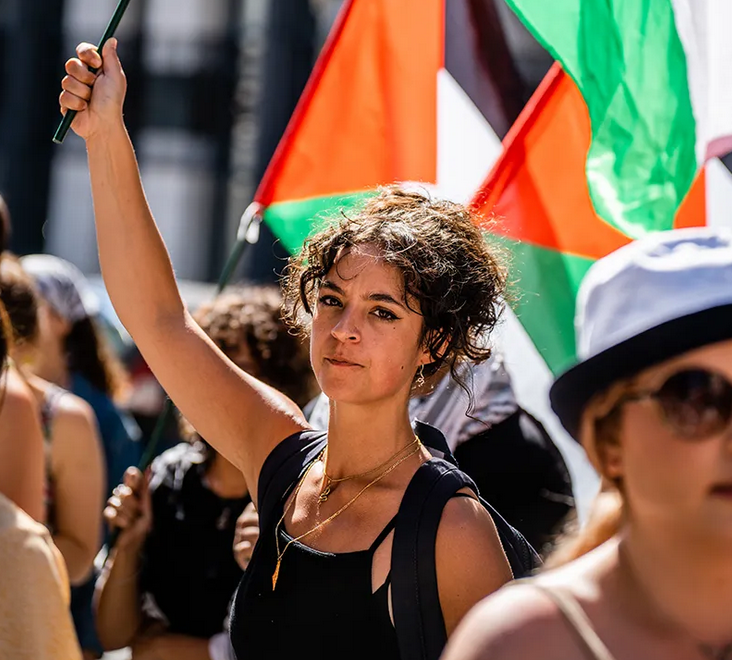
650,399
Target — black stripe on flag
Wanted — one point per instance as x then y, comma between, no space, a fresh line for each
727,161
478,58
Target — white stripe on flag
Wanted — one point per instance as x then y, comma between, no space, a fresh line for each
703,26
719,194
467,145
531,380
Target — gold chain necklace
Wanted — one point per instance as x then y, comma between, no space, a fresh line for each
330,481
280,555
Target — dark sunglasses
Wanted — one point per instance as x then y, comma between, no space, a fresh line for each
695,403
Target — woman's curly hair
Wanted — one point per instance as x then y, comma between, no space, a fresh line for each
252,317
449,270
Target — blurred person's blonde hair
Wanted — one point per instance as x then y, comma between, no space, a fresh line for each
600,428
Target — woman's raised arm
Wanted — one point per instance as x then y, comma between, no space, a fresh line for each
240,416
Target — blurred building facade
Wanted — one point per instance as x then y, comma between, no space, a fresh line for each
212,84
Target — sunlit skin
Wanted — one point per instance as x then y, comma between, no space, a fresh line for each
664,585
689,483
365,343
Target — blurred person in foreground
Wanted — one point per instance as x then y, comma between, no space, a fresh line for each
186,536
651,401
74,462
73,354
35,623
22,462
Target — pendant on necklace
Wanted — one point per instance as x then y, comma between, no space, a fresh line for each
276,574
326,491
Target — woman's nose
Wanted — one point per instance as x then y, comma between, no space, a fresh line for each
346,330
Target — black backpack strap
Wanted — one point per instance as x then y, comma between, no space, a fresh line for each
434,440
418,618
283,468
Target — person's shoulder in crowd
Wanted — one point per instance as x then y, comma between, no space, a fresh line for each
21,466
35,621
522,620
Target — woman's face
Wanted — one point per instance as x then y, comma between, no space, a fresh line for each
670,479
365,342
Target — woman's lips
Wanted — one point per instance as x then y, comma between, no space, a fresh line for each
336,362
722,490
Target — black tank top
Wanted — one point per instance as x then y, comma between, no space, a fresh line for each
323,606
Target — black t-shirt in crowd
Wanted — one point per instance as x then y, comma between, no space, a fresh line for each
189,573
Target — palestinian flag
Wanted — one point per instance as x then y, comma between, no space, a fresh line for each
654,75
411,91
537,199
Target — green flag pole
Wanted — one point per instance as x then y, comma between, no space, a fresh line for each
68,119
247,234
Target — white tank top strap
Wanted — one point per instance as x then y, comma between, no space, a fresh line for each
577,619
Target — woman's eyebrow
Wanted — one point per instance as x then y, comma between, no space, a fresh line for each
327,284
385,297
378,297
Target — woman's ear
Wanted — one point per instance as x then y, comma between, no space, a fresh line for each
611,456
427,357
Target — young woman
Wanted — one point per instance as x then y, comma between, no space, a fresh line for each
651,401
387,296
74,461
167,588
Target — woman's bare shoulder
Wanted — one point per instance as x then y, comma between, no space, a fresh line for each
16,391
519,622
73,411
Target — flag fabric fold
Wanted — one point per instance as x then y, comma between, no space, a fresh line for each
536,200
649,72
411,91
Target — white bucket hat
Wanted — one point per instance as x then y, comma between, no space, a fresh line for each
643,304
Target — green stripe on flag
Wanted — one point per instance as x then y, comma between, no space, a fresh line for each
629,63
543,291
293,222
